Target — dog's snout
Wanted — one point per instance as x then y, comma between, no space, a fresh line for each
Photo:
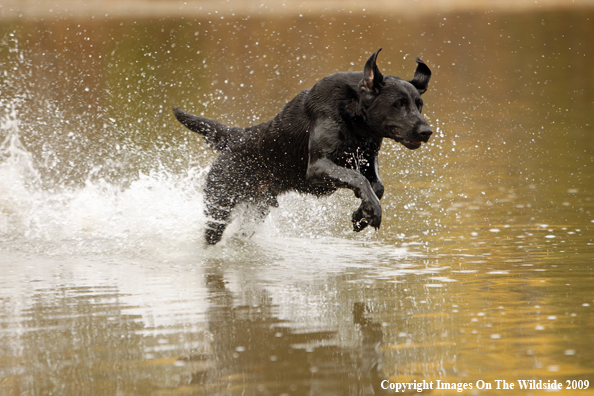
425,132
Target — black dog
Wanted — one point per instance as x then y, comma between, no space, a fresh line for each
327,137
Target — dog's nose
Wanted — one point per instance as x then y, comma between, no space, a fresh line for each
425,132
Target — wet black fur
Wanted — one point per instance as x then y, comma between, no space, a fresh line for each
327,137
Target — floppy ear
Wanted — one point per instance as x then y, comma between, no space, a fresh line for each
372,77
422,76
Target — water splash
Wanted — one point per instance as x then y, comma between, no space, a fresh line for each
98,217
16,173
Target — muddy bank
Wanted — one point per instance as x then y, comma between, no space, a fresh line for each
16,9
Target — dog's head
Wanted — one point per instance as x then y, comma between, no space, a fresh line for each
391,106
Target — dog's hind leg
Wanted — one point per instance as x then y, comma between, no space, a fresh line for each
222,193
220,199
218,211
233,180
216,226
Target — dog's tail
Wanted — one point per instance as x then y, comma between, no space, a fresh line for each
216,134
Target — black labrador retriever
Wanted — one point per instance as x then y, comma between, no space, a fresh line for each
327,137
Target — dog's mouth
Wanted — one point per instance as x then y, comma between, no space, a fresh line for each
409,144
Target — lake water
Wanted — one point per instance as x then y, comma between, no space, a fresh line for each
482,271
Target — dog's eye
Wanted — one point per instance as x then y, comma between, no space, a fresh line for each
400,103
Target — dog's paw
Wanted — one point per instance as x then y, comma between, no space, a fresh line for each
214,232
359,225
367,214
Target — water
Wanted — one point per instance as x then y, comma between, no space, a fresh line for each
481,271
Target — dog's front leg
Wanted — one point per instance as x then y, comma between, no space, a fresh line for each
324,170
378,188
372,174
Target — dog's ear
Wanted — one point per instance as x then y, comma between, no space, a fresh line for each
422,75
372,77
